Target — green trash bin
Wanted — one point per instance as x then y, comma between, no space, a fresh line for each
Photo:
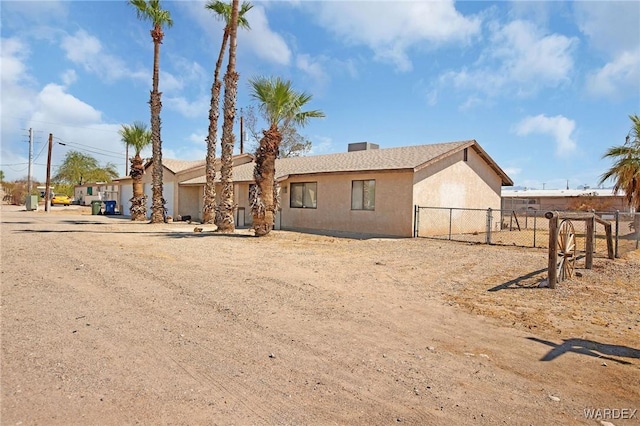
96,206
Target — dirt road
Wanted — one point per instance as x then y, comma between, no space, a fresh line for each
107,322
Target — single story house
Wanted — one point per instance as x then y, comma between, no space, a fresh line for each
601,200
368,190
179,201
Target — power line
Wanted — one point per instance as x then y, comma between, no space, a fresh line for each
120,154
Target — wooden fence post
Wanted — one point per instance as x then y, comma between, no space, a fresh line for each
590,227
553,248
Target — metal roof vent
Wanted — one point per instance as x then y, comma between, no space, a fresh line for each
362,146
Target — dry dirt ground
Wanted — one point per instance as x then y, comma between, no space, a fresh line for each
108,322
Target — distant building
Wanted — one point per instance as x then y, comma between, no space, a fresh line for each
86,193
564,199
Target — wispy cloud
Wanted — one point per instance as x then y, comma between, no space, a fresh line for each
261,40
86,50
520,60
391,32
558,127
619,75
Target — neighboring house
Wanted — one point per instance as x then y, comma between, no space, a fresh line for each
86,193
602,200
179,201
372,191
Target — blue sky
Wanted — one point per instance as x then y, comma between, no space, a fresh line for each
544,87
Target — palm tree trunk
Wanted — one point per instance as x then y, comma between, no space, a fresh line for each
224,218
263,203
209,198
138,207
157,202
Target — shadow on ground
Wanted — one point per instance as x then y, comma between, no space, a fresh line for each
589,348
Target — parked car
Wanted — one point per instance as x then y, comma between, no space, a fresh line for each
61,200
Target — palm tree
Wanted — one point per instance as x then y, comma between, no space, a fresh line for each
150,10
222,11
137,137
626,169
281,106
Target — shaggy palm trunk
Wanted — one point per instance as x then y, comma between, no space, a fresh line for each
209,198
157,202
224,218
138,208
263,204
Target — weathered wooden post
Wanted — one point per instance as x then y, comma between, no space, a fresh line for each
590,227
553,248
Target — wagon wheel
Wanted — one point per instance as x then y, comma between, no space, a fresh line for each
566,250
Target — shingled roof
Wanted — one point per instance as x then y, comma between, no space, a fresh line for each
411,158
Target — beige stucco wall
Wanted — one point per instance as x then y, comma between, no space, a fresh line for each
460,184
190,202
391,217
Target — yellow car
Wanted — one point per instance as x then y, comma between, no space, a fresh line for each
60,200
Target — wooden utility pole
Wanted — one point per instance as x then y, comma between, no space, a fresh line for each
30,160
47,201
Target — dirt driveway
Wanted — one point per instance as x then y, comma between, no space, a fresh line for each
107,322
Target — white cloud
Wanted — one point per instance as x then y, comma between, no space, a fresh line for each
520,60
616,78
611,27
313,67
391,31
559,127
191,109
512,171
260,41
69,77
51,109
86,50
16,101
608,27
198,138
13,54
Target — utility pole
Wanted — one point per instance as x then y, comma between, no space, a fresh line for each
47,201
30,159
126,160
241,133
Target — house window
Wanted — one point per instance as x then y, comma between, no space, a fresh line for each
465,154
303,195
363,195
89,190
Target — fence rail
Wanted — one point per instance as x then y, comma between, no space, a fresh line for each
521,228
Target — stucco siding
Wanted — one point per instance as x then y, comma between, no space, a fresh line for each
455,183
190,202
126,193
391,216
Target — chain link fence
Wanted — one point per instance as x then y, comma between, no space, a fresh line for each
521,228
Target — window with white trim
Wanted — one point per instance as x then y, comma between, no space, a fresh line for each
363,194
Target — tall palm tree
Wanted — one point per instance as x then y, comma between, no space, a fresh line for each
626,168
222,11
150,10
138,137
281,106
